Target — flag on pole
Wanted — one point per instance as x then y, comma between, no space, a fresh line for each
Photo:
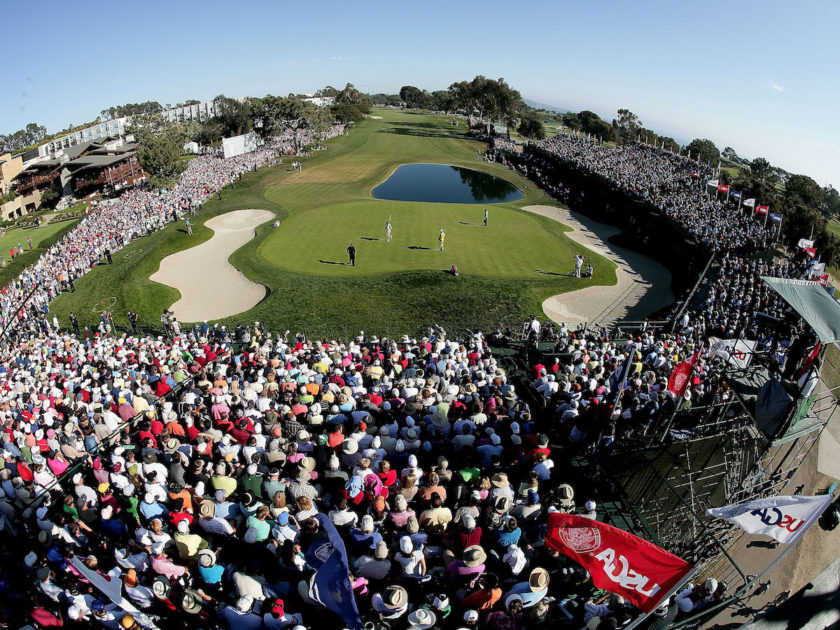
695,175
775,216
808,362
616,560
761,209
713,182
680,377
723,188
735,194
330,585
749,203
805,242
817,269
619,377
737,351
784,518
810,251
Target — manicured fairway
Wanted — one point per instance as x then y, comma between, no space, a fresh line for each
17,236
398,286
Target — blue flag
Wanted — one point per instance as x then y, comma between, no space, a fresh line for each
330,586
735,193
775,216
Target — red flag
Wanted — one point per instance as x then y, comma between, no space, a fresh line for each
811,251
723,188
695,175
823,280
809,361
617,561
761,209
679,380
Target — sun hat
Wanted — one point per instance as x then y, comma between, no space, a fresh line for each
471,616
191,602
421,619
248,499
412,525
394,597
161,587
502,504
590,506
366,524
500,480
207,509
474,555
206,558
350,446
538,580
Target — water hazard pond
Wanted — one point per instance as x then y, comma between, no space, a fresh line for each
442,183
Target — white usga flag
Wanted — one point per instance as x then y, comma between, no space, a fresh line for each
712,182
805,242
749,203
782,518
737,351
816,270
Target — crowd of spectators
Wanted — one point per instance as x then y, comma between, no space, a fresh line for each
113,224
197,477
419,453
672,183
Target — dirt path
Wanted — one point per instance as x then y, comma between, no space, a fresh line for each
643,285
212,288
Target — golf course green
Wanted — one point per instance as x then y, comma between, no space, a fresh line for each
401,286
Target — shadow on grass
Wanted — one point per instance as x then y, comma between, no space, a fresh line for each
472,224
369,238
553,273
400,131
428,249
333,262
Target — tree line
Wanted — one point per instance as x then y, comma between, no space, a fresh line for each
32,134
160,142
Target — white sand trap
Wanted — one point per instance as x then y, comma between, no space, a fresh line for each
376,117
643,287
212,288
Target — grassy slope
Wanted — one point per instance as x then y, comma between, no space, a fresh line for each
323,203
18,236
43,238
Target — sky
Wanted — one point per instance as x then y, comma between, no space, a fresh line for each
761,77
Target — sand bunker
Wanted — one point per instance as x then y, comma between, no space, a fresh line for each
376,117
212,288
643,287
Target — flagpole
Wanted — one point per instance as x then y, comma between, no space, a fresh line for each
766,214
670,593
779,230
